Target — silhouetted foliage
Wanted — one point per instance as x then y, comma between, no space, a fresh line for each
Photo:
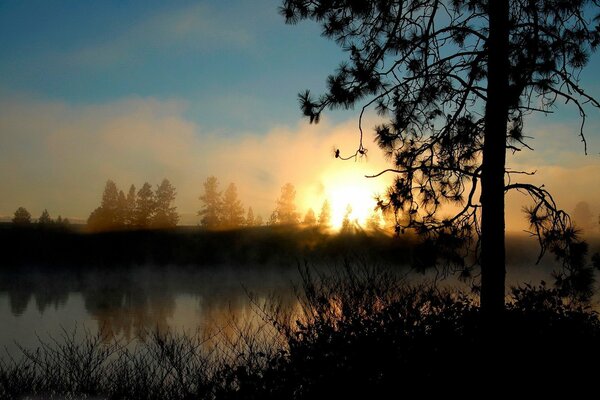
309,218
145,206
347,223
121,211
165,213
141,209
212,203
44,219
130,208
359,332
232,211
457,80
21,217
374,221
250,221
285,211
325,215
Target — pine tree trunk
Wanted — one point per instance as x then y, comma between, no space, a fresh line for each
493,270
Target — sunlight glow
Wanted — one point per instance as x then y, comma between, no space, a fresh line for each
346,185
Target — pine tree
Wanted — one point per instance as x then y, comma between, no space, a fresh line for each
457,79
45,219
250,221
232,212
145,206
130,208
309,218
165,215
21,217
212,204
285,212
346,222
325,215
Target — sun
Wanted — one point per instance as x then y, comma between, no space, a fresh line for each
344,187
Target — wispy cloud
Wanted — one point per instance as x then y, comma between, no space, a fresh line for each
58,156
197,28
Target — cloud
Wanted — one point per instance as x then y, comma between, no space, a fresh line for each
198,28
58,156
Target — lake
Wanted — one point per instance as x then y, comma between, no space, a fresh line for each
129,302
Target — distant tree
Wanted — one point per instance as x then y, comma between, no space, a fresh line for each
309,218
99,220
144,206
105,217
121,210
346,221
457,79
130,208
258,221
210,212
325,215
21,217
374,221
285,212
45,219
272,219
232,212
60,221
583,216
110,202
165,215
250,221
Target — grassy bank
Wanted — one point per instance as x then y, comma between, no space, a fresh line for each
360,332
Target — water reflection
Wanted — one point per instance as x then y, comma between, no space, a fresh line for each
129,302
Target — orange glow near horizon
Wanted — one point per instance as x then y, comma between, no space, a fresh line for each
346,185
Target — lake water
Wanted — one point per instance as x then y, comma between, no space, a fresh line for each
45,303
126,303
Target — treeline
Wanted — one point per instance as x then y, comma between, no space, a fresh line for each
224,210
139,209
22,217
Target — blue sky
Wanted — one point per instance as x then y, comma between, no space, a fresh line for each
236,64
137,91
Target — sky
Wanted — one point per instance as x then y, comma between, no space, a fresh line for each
138,91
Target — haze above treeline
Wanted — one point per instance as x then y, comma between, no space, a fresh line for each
219,208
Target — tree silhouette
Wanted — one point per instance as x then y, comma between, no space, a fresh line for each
250,221
285,212
130,208
457,80
106,216
165,213
144,206
232,212
309,218
121,211
258,221
346,221
110,202
45,219
21,217
211,210
374,221
325,215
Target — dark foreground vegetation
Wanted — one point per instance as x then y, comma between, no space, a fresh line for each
73,246
358,333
